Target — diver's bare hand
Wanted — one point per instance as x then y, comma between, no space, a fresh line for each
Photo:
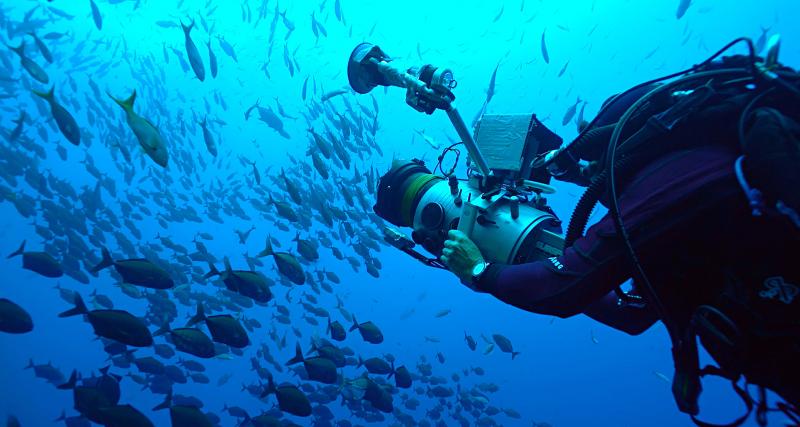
461,255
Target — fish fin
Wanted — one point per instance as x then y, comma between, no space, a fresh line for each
212,271
104,263
298,356
73,379
514,354
162,330
228,268
186,29
80,308
355,324
270,388
166,404
19,251
48,96
199,317
313,348
19,50
268,249
126,104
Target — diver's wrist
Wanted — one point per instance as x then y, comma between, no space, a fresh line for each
489,278
478,274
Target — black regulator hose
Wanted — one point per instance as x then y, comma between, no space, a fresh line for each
592,144
587,202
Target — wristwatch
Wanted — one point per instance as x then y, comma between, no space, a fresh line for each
477,273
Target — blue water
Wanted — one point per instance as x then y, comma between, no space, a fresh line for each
570,372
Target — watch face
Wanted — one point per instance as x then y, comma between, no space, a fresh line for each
478,269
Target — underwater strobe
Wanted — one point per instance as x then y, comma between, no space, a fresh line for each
501,204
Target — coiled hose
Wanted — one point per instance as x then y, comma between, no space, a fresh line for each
587,202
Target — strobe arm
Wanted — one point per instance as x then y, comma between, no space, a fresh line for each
369,67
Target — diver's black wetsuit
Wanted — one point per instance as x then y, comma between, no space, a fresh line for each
690,224
659,198
692,229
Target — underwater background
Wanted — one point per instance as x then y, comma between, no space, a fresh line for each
256,172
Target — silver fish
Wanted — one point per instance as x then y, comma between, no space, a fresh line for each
193,54
545,55
683,6
570,112
98,19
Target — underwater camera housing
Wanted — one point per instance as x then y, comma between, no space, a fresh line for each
500,205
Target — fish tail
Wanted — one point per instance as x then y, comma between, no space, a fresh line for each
80,308
392,372
514,354
188,29
270,388
328,329
73,379
162,330
198,317
126,104
19,50
355,324
360,362
166,404
298,356
62,417
19,251
30,364
104,263
212,271
268,249
48,96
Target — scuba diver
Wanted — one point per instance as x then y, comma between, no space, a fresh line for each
704,217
